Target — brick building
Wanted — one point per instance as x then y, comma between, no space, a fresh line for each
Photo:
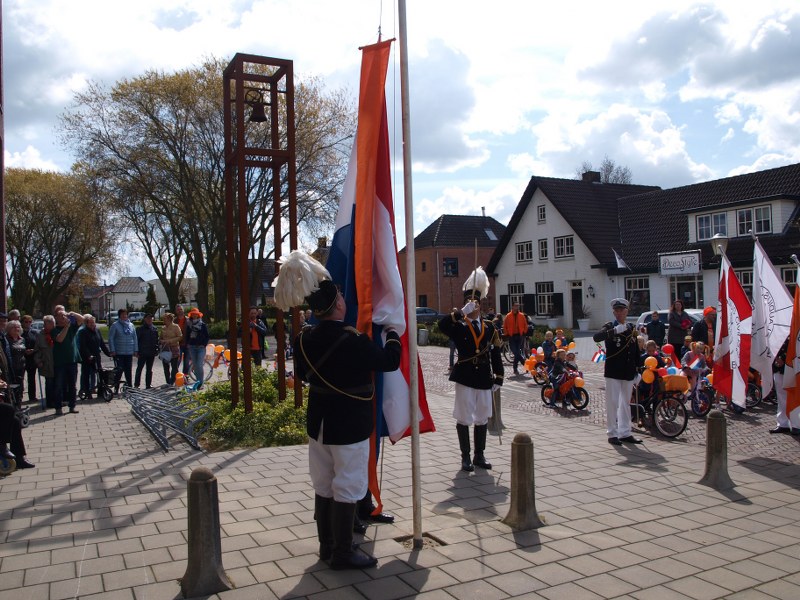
445,257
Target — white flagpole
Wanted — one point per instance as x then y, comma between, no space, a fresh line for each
411,283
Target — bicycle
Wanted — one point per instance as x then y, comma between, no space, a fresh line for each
208,365
570,392
663,408
508,355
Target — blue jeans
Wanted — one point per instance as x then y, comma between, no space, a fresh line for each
515,343
197,354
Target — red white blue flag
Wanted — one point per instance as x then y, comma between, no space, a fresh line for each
599,356
363,256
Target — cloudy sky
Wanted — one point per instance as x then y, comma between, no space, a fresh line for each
680,92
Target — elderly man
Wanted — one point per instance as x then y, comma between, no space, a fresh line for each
90,345
65,359
44,361
622,358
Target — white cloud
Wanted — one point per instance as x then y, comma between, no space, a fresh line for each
30,158
499,202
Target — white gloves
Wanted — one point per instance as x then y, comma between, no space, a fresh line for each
469,307
621,328
495,387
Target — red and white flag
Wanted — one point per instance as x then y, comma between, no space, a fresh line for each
772,316
732,339
791,374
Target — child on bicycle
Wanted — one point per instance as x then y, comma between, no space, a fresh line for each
549,349
650,349
559,337
558,374
694,363
572,364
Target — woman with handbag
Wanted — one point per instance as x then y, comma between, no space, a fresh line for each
170,344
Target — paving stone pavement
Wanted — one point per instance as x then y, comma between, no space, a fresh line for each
103,514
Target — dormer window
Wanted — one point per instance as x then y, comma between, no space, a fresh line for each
757,219
710,225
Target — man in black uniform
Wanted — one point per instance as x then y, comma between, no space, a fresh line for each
622,358
478,370
338,362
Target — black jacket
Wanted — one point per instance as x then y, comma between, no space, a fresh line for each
622,351
478,366
338,362
91,343
147,336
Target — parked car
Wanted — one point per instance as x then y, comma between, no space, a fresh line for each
427,315
37,325
135,317
695,314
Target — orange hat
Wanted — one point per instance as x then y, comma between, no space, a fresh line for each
708,310
195,313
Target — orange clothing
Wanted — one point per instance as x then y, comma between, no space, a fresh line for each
515,324
182,324
255,343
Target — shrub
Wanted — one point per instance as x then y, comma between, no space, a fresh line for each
272,422
218,330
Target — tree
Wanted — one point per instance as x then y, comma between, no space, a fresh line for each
155,144
55,230
610,172
150,303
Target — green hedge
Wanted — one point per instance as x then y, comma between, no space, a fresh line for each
272,423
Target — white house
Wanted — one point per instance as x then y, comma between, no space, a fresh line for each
572,244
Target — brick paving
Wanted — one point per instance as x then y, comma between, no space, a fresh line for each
103,514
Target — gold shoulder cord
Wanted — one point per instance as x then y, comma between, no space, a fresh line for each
325,381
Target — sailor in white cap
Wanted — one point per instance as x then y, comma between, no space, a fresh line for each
622,358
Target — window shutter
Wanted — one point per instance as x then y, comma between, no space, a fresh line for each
529,304
558,304
504,304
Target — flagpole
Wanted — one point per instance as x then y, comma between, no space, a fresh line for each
411,282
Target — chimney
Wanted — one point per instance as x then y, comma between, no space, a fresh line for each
591,177
483,210
322,242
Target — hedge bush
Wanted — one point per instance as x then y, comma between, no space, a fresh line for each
272,422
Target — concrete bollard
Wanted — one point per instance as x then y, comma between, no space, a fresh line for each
496,420
522,512
204,574
716,475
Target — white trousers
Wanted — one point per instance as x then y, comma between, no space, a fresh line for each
783,419
472,407
618,407
339,471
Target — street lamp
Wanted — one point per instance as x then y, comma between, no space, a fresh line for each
719,243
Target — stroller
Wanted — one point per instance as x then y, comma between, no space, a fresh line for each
105,383
12,395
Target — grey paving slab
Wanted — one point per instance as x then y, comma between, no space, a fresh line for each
629,523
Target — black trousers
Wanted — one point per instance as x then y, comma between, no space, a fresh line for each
11,429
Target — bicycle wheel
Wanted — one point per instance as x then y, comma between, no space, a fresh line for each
547,393
540,375
208,370
753,397
702,401
508,355
669,416
579,398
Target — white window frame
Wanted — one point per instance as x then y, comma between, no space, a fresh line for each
516,292
524,251
567,243
544,298
541,213
755,218
543,250
716,223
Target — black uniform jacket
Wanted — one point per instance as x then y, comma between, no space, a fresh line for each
479,366
338,363
622,351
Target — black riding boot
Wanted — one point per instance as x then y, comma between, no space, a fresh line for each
322,514
463,442
480,446
366,506
344,557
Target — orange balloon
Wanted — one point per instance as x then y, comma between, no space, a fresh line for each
227,353
648,376
219,348
710,378
558,343
571,346
179,380
651,362
579,382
